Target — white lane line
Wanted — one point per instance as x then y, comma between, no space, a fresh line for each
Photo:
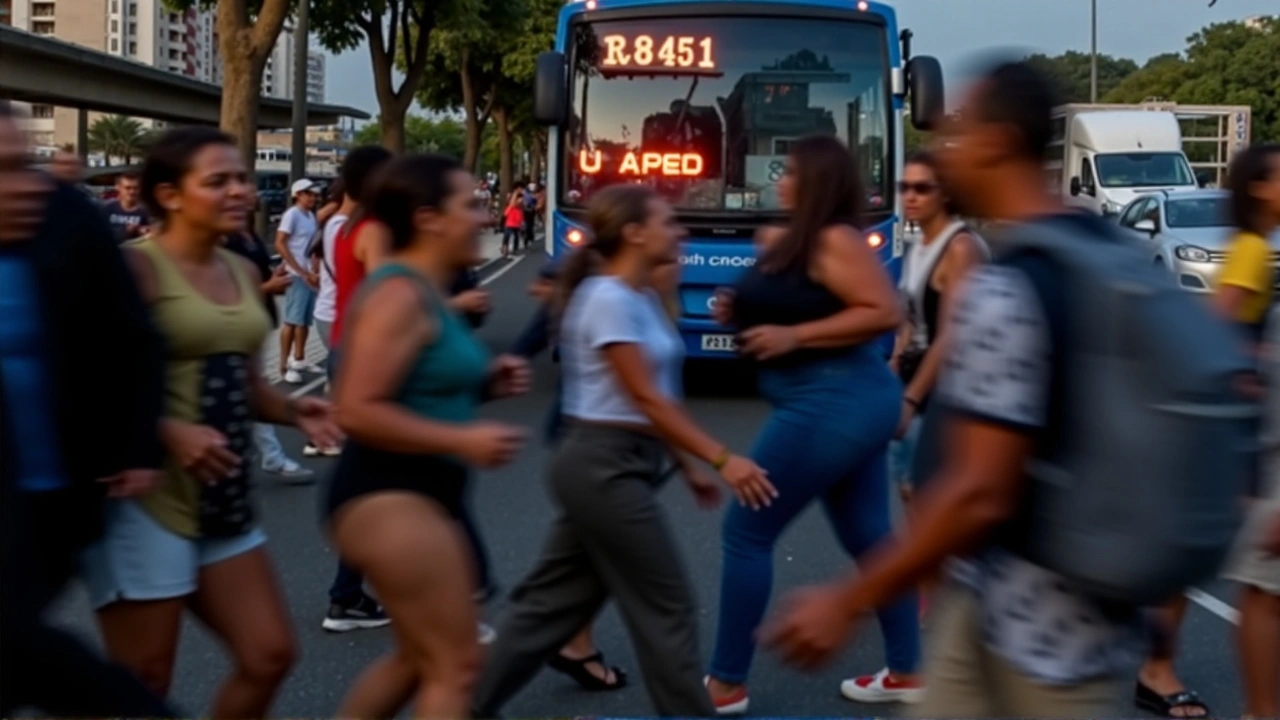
308,387
503,271
486,263
1214,605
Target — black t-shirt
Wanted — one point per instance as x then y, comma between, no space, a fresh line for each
121,219
249,246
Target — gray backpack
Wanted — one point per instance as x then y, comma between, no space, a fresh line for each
1140,498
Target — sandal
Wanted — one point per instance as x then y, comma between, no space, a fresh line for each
1163,705
577,669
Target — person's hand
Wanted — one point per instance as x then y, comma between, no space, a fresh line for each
904,420
768,341
490,444
313,280
722,308
276,284
200,450
471,302
1271,537
509,376
314,417
705,488
812,625
132,483
749,482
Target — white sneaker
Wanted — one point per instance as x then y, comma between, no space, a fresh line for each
486,634
291,471
303,366
881,688
293,377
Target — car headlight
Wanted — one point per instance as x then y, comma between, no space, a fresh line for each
1191,253
1111,208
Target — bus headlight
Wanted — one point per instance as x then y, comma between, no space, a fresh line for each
875,240
574,237
1191,253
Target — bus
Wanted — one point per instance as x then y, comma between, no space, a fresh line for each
701,99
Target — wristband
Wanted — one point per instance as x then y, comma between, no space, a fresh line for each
721,459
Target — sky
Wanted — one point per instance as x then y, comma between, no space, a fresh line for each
955,30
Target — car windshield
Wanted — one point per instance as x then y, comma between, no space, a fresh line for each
1197,212
705,109
1128,170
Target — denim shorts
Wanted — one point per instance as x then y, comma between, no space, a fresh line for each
137,558
299,303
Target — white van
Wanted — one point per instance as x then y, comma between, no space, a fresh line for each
1106,158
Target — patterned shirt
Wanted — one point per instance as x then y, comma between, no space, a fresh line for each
1000,370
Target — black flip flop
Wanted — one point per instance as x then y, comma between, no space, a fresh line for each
577,669
1163,705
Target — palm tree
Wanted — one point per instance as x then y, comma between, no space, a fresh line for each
116,136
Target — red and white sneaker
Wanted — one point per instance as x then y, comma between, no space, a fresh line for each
882,688
733,704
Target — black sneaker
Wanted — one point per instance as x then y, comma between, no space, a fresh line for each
361,615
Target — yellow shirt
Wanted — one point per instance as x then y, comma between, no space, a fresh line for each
1249,267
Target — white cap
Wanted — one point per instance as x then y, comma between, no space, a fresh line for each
303,185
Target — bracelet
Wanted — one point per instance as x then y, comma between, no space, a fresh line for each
721,459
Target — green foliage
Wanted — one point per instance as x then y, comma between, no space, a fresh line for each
1224,64
1071,70
445,136
118,138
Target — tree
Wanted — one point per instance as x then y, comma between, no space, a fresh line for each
1230,63
1070,73
247,32
116,136
444,136
398,34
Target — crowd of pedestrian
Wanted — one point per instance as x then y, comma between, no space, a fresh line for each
1032,415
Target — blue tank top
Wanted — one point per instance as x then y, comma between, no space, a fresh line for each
447,380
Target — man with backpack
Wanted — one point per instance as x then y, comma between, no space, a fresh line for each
1065,478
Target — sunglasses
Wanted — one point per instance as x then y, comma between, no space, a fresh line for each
921,188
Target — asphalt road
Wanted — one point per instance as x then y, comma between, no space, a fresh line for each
514,513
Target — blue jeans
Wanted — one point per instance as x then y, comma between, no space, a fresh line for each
826,439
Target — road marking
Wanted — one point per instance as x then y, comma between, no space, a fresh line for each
502,271
1214,605
308,387
487,263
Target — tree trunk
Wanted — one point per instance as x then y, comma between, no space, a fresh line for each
240,90
391,128
504,150
471,121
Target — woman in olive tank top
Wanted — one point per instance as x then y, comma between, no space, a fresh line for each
195,540
409,384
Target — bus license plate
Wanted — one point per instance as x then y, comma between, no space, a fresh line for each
722,343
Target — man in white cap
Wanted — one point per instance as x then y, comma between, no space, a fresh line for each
293,238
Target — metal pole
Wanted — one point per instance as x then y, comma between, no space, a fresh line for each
1093,58
300,32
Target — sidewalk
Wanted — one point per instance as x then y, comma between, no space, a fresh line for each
491,248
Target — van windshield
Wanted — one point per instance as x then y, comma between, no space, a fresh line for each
1143,169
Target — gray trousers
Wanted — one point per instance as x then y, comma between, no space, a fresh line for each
610,541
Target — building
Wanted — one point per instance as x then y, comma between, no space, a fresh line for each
6,12
277,78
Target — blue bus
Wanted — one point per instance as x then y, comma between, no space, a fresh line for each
701,99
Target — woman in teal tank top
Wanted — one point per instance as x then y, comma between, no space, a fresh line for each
411,379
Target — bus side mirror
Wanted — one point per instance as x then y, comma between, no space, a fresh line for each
924,83
550,89
1075,186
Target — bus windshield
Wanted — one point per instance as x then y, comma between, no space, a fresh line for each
704,109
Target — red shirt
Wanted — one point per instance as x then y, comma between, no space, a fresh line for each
515,216
348,273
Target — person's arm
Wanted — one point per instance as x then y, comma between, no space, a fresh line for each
372,245
289,226
536,336
851,271
1246,274
961,256
326,212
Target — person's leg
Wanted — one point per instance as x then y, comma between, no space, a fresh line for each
956,665
415,558
858,510
240,601
485,586
1259,642
1158,674
273,458
142,636
789,449
1020,695
558,596
286,346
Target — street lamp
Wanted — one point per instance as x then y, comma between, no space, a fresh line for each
1093,57
298,168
